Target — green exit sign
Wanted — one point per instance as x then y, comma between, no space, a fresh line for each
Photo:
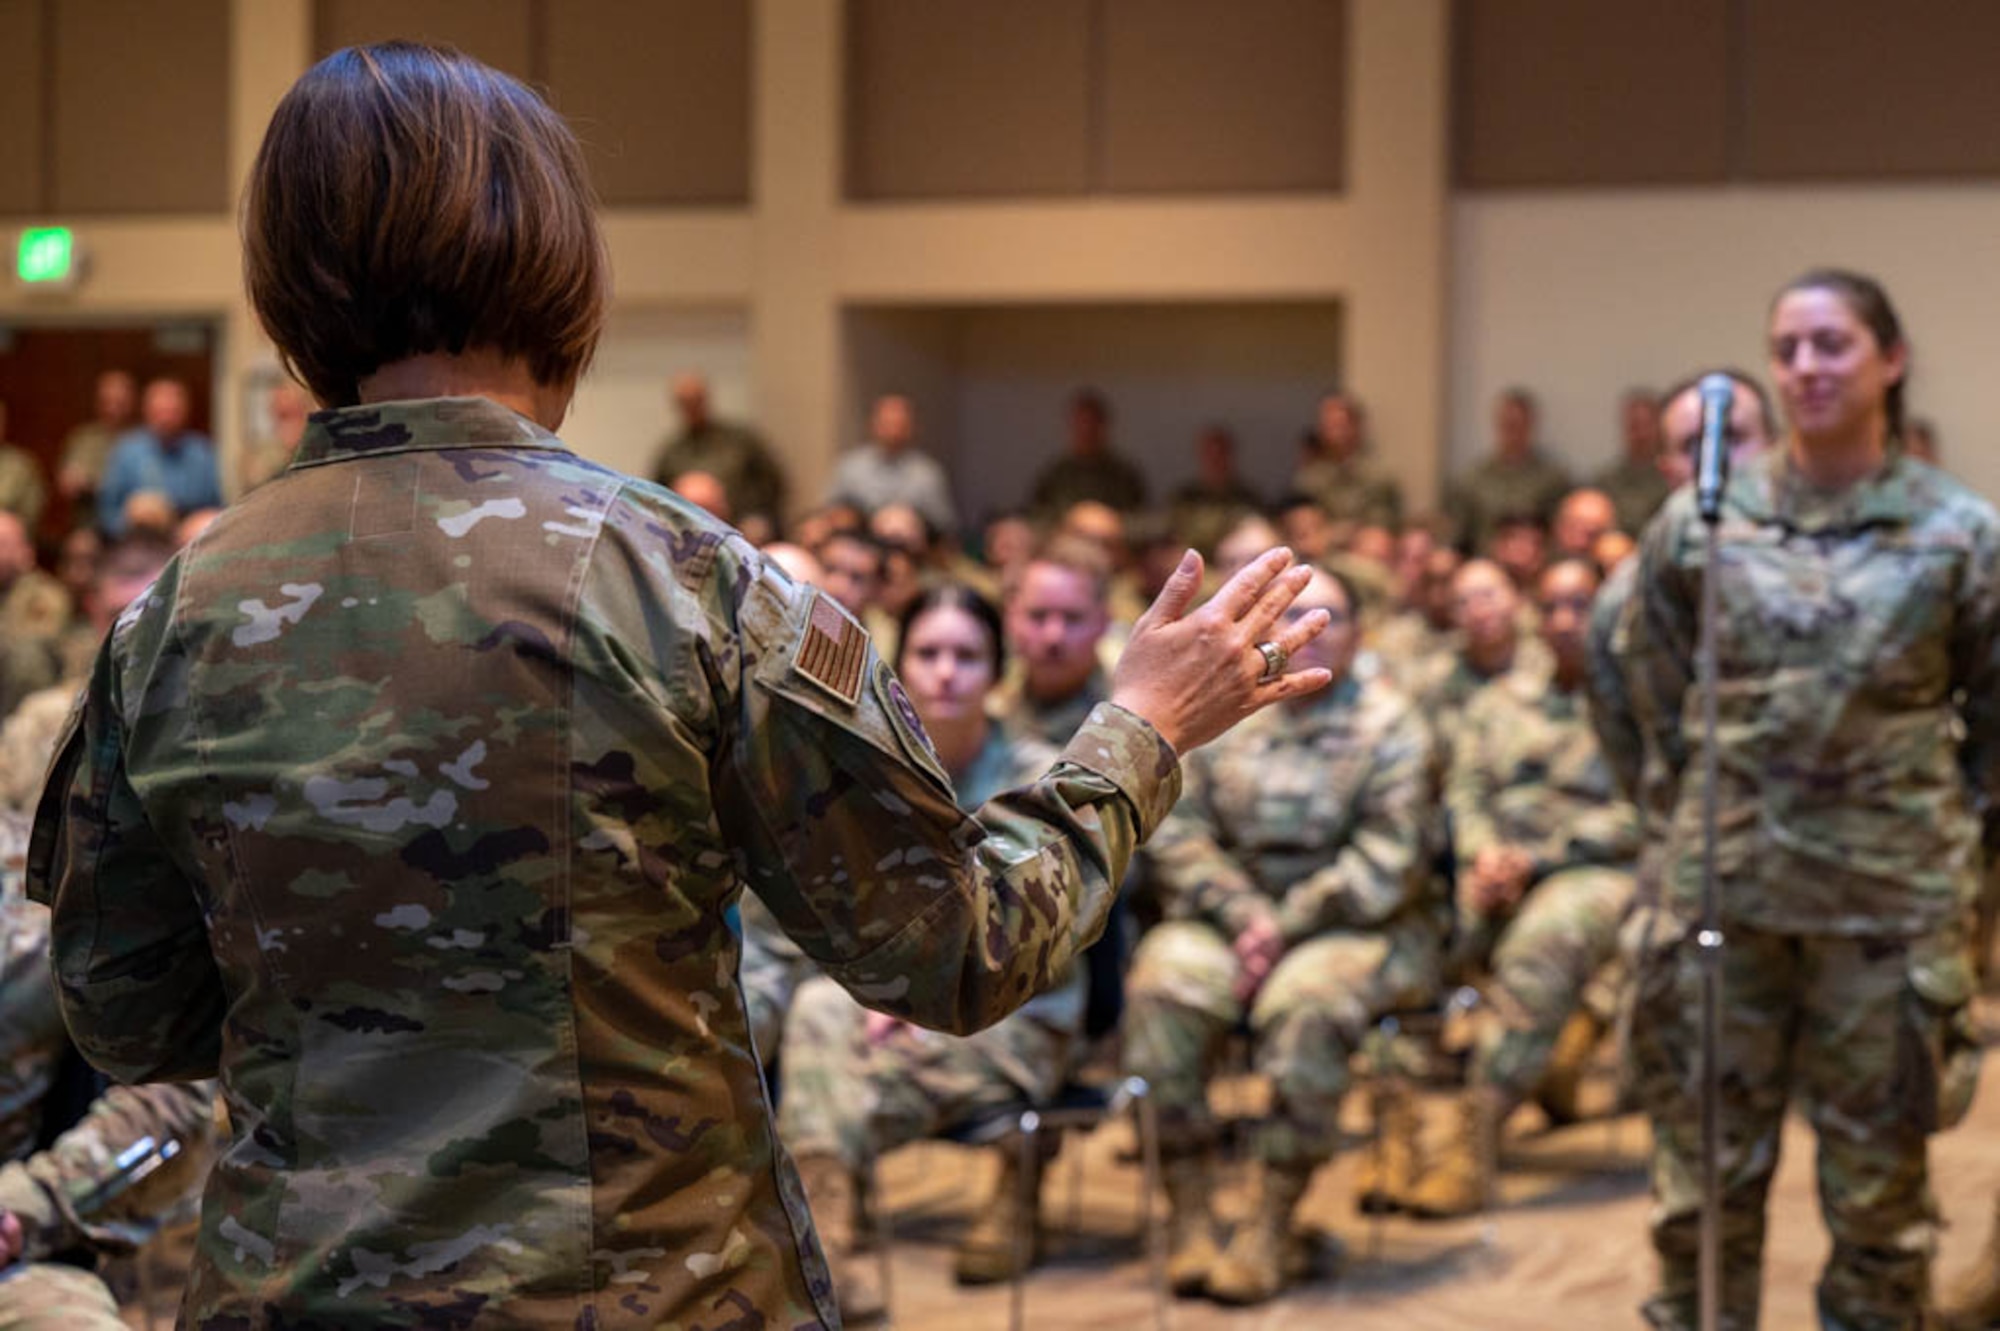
46,256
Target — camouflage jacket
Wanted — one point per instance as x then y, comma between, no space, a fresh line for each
1028,721
736,456
1476,500
1319,815
1526,771
32,1041
1357,490
1852,625
413,798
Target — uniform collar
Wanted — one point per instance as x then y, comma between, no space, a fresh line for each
379,428
1772,490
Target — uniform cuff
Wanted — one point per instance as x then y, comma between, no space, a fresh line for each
1125,750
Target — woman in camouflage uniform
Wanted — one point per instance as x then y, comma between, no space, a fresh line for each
1859,601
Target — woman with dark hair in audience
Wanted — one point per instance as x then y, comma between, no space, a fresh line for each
860,1084
416,796
1859,705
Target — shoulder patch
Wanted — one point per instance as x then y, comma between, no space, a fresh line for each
833,650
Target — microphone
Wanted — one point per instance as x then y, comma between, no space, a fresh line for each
1711,473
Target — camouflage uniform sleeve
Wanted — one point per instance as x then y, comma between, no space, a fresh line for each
1379,872
1976,674
1662,625
1611,712
1469,780
110,1181
847,827
139,988
1607,834
1198,879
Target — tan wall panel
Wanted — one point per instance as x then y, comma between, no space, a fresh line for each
1855,90
659,91
22,127
967,98
1582,92
497,31
141,106
1203,97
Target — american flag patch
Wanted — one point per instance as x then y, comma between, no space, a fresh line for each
833,651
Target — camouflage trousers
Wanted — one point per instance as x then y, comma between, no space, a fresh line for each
1559,945
842,1096
46,1296
1311,1015
1855,1026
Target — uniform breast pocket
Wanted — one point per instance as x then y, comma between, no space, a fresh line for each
1906,600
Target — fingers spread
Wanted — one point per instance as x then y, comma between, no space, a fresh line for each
1242,591
1277,598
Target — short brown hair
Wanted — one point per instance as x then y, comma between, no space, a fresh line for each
408,199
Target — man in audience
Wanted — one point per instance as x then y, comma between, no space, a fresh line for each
1056,613
1516,478
1635,484
890,469
22,492
87,448
1419,644
32,603
162,457
734,454
1487,610
1089,468
1545,849
1582,517
271,452
705,490
1341,472
854,567
1209,505
1519,545
1294,873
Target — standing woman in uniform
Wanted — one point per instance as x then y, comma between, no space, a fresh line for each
414,797
1859,603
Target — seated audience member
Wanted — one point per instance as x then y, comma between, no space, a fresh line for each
1307,529
1582,517
705,491
40,688
22,491
911,548
814,527
1089,468
1293,876
1635,485
1210,504
151,513
1610,549
798,562
857,1084
1007,540
1519,545
32,603
855,566
270,453
1338,468
1420,642
1515,478
1057,614
1367,560
87,448
890,469
737,456
1491,644
162,456
1242,543
1920,440
76,561
1110,531
1546,849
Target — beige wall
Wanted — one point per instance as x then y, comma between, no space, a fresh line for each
799,257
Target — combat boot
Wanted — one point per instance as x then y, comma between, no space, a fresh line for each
1561,1088
1006,1240
1191,1252
1391,1165
1263,1255
831,1193
1459,1178
1974,1301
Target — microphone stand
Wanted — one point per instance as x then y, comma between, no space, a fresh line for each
1709,938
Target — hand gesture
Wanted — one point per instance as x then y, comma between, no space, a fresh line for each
1194,673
